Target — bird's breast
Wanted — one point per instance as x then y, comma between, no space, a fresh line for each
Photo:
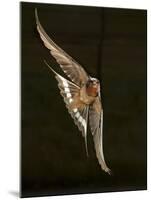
92,91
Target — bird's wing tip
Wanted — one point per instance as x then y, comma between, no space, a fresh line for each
110,172
36,15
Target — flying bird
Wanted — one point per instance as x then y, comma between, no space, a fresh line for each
81,94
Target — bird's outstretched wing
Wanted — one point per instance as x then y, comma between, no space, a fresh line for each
70,67
96,125
70,93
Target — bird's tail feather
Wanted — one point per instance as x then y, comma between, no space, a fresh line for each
51,68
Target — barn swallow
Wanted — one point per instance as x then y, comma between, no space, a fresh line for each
81,94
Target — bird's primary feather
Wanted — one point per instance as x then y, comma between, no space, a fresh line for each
70,67
96,125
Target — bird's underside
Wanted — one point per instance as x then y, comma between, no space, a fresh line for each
81,94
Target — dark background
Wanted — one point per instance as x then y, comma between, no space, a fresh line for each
111,44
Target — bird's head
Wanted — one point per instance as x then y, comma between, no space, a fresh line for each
93,86
93,82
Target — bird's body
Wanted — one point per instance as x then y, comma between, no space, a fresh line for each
81,95
85,96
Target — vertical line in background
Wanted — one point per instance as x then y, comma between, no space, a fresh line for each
100,45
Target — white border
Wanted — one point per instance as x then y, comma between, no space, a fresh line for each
9,98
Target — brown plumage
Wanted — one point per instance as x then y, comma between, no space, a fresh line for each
81,95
